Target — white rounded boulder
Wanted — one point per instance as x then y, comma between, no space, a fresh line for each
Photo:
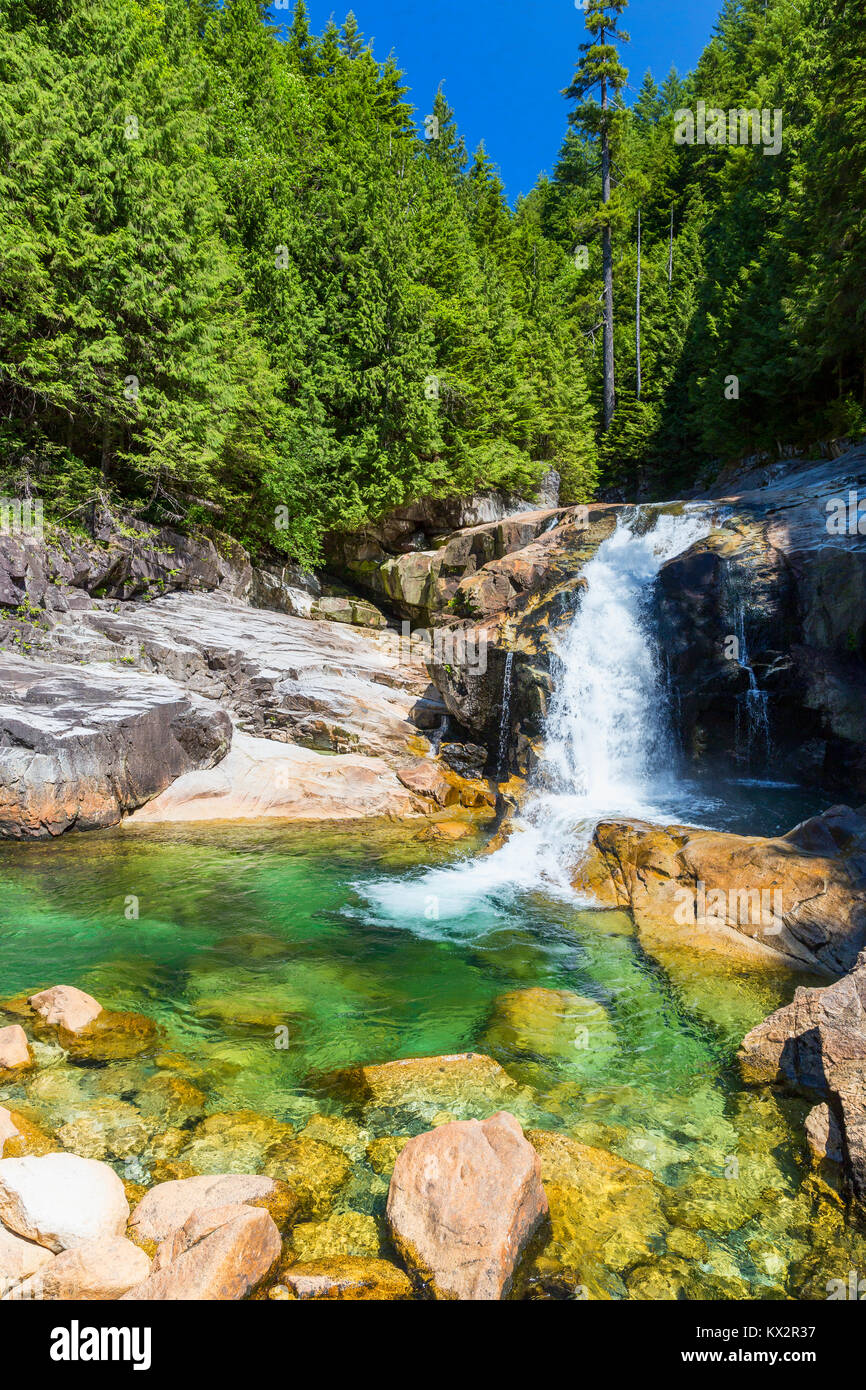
61,1201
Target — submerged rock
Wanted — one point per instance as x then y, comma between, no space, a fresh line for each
457,1083
344,1233
604,1211
316,1172
352,1279
464,1202
554,1024
109,1128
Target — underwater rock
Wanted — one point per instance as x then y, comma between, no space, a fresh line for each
169,1205
464,1202
456,1082
108,1128
801,896
603,1209
237,1141
382,1153
219,1254
65,1007
346,1277
172,1100
21,1138
60,1200
316,1172
554,1024
445,830
14,1049
338,1131
97,1270
344,1233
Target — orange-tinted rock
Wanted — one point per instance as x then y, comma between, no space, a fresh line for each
97,1271
65,1007
222,1254
14,1049
170,1205
464,1201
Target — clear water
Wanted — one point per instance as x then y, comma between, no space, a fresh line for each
367,946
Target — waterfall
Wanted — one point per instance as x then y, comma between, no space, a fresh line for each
505,717
609,746
752,731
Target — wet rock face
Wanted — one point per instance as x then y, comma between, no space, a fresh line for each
781,590
801,896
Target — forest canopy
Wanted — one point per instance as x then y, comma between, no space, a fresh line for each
244,282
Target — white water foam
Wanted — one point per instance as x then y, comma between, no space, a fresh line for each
609,748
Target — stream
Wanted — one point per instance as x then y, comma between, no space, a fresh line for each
359,944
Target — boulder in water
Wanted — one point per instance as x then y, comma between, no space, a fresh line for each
800,896
464,1202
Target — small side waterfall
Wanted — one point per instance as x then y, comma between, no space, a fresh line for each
505,717
752,728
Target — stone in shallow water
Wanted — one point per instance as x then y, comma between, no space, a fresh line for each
344,1233
382,1153
20,1137
112,1129
65,1007
60,1200
338,1131
221,1254
170,1099
99,1270
169,1205
465,1200
14,1049
316,1172
113,1036
603,1210
554,1024
461,1084
235,1142
348,1278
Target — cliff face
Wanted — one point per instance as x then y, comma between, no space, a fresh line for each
768,615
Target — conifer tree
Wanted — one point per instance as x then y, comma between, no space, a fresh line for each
600,68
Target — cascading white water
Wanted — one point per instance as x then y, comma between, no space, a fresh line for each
609,746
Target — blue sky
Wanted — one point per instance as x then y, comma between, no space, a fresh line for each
505,62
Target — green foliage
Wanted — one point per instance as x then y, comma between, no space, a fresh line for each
769,251
238,287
